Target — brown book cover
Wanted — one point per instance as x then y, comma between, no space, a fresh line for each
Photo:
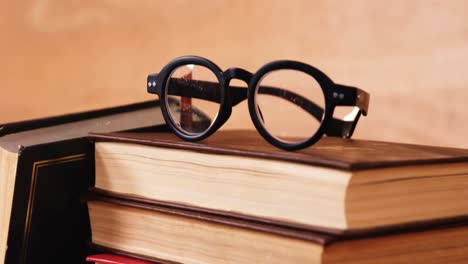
332,152
337,154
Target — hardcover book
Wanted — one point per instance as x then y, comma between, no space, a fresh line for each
163,234
338,186
45,165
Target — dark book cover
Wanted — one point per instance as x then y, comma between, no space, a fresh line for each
47,217
48,221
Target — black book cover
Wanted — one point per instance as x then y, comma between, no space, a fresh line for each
48,218
48,223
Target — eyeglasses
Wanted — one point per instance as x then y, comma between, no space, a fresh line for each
290,103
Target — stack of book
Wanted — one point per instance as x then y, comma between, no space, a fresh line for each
235,199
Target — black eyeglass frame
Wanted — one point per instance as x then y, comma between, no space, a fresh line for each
334,94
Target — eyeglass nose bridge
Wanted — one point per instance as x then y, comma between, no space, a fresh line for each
238,73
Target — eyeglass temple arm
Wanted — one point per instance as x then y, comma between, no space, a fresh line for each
210,91
348,96
239,94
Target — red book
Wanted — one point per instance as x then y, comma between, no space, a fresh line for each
114,259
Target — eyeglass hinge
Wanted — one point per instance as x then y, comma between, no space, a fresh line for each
151,83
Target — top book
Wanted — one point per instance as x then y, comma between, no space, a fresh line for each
337,186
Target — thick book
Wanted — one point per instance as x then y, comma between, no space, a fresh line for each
163,234
45,165
336,186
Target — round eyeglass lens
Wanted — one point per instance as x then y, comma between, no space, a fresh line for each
193,98
290,105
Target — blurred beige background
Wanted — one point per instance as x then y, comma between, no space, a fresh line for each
412,56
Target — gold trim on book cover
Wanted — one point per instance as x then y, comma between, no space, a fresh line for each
32,191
